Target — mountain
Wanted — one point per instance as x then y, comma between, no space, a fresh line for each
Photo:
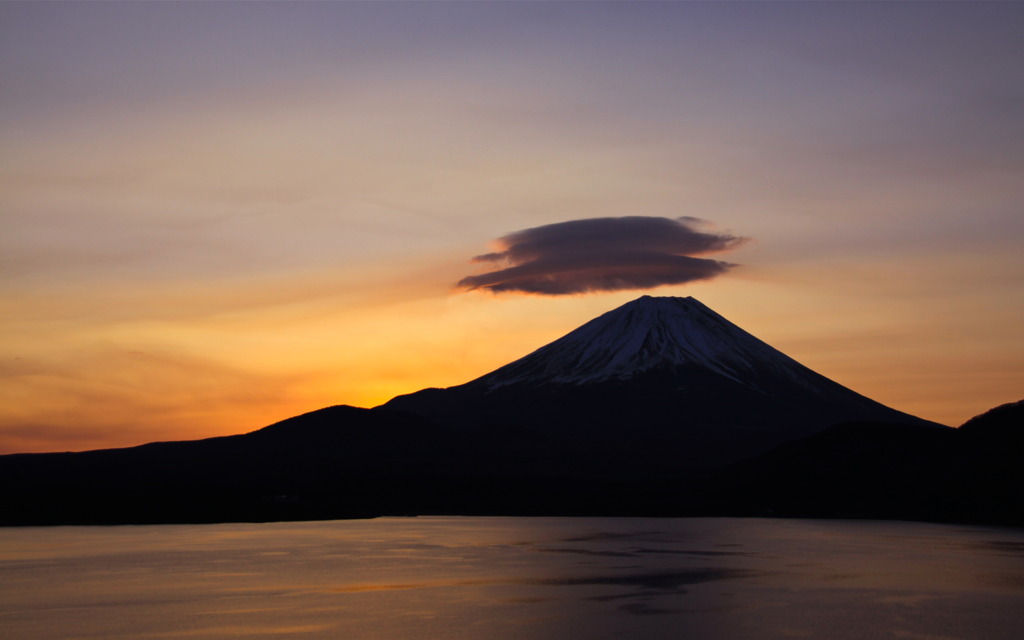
660,407
1005,422
344,462
335,462
650,334
871,470
658,381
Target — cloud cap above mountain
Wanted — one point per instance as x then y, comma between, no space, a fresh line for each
604,254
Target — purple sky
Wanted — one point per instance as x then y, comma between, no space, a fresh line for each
216,215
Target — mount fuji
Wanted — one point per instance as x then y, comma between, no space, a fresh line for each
648,334
657,381
658,407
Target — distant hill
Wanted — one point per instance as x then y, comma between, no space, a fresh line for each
872,470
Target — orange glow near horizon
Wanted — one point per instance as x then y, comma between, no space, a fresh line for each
227,373
217,216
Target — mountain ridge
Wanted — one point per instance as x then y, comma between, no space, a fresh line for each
339,462
659,431
657,375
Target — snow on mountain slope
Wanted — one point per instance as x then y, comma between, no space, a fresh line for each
658,381
651,333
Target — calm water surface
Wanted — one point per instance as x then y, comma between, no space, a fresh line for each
521,578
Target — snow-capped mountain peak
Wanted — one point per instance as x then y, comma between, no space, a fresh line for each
667,373
648,333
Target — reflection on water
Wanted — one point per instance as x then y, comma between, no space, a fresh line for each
523,578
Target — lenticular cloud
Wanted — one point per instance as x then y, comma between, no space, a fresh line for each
603,254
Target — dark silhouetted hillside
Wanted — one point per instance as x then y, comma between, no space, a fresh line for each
659,407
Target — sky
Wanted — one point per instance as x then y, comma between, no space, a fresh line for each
214,216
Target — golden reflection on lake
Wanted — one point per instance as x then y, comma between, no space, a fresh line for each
521,578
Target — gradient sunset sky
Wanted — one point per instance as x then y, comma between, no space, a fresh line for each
214,216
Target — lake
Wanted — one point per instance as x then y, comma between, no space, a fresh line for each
515,578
